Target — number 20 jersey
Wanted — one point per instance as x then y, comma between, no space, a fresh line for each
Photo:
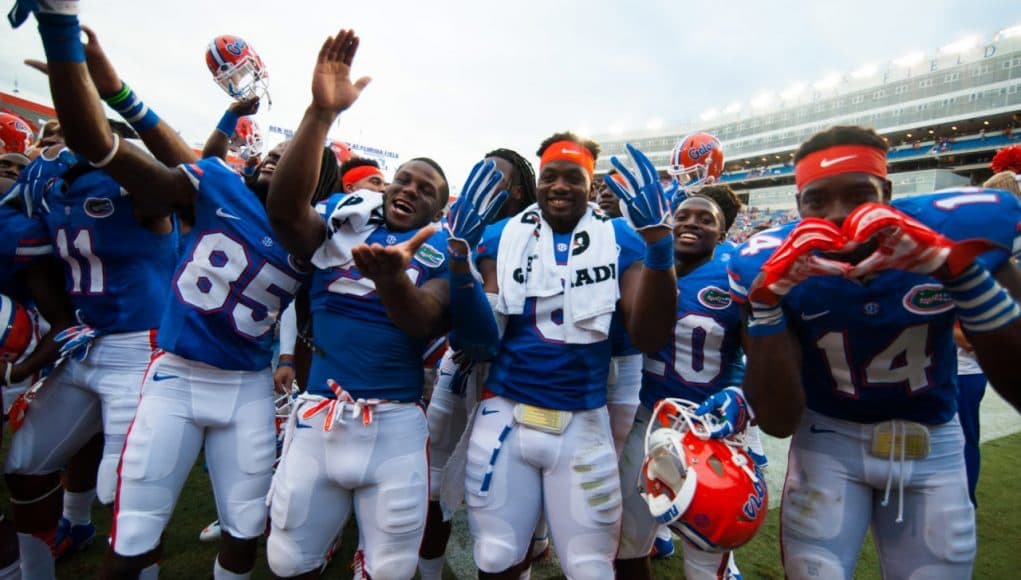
233,280
705,355
116,271
883,349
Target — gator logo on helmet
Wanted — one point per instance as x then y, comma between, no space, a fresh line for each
715,298
697,152
927,299
236,47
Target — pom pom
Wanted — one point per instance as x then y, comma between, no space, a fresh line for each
1007,159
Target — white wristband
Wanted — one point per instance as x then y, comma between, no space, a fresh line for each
109,156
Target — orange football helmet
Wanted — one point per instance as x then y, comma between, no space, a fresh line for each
237,68
17,330
696,161
708,491
247,139
15,134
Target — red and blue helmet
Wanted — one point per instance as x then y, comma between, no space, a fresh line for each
237,68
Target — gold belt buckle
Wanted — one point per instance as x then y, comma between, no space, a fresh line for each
912,438
548,420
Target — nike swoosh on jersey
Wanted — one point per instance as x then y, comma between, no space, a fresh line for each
835,160
814,316
220,212
817,430
159,377
486,411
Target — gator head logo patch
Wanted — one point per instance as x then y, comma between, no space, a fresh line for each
927,299
429,256
715,298
98,207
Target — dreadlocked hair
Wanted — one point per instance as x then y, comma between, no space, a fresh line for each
589,144
329,176
840,135
524,174
724,197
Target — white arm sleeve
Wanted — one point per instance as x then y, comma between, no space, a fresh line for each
288,330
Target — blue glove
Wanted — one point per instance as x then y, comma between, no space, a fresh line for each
675,194
478,205
730,406
645,203
75,341
22,8
31,188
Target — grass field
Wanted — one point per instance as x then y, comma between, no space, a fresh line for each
999,532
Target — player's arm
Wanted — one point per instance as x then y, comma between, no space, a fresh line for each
421,312
156,187
219,140
772,380
289,203
997,350
648,294
44,280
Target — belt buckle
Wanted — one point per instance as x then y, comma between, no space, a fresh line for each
542,419
912,437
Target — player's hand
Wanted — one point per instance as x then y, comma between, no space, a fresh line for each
104,76
75,341
730,407
904,243
478,205
29,191
245,107
332,89
797,259
383,264
22,8
645,204
38,65
283,377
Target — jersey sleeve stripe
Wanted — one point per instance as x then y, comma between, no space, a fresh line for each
194,174
738,292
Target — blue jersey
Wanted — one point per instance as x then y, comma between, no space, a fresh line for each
24,241
357,344
233,280
884,349
705,356
535,365
116,271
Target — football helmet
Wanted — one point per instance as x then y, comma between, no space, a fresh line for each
340,150
237,68
696,161
707,490
15,134
247,139
17,330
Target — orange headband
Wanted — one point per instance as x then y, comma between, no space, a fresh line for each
569,151
840,159
359,173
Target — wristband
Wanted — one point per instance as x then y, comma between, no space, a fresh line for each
457,256
61,37
228,123
285,363
109,156
982,304
660,255
766,320
132,109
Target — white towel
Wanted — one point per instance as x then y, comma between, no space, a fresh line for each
350,224
589,282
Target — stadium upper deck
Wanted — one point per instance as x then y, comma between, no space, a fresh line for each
944,115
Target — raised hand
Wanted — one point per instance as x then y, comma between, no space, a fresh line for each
245,107
332,89
797,259
645,203
730,407
478,205
380,263
904,243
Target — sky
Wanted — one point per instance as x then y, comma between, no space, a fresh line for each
453,79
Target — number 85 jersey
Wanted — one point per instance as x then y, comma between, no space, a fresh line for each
233,280
882,348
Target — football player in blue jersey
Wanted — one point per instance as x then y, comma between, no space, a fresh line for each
210,384
541,441
850,320
380,291
704,359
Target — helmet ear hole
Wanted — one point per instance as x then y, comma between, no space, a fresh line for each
716,465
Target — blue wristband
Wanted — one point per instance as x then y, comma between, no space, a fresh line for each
660,255
472,320
133,110
228,123
61,37
982,304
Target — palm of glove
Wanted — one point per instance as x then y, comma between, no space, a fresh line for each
478,204
797,259
730,407
646,205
